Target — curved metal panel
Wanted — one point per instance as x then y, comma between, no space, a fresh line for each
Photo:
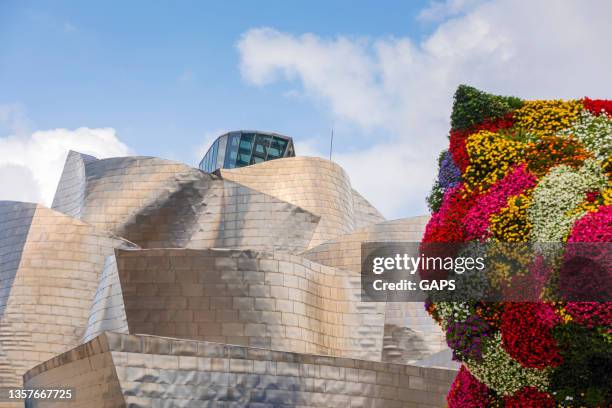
146,371
317,185
45,306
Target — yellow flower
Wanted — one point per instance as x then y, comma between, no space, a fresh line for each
590,206
511,224
546,118
491,157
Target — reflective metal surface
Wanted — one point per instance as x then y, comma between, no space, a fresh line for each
118,370
162,204
316,185
409,332
260,299
51,265
263,256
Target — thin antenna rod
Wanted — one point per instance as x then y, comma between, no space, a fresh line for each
331,144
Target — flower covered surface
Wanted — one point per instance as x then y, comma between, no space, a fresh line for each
538,172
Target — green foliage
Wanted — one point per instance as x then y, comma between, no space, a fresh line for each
472,106
441,157
517,134
584,375
434,199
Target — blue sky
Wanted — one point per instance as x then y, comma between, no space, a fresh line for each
164,78
164,73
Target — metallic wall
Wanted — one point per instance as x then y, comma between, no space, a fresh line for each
409,334
107,311
263,256
51,264
118,370
365,214
317,185
344,251
162,204
261,299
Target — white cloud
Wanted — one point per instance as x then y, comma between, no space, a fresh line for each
440,10
31,164
338,71
397,87
308,147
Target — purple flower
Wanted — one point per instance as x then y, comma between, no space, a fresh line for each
449,174
465,337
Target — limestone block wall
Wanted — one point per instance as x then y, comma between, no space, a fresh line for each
154,371
50,269
317,185
271,300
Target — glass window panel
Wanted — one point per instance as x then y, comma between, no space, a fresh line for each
278,147
237,149
244,150
262,142
213,156
246,141
232,151
220,158
243,160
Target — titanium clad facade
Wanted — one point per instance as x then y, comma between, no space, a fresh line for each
151,283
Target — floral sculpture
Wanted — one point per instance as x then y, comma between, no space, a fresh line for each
526,171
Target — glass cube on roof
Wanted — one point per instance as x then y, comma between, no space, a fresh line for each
243,148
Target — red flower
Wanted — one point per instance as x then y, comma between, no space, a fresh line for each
590,314
458,137
595,106
591,196
447,224
458,150
526,334
467,391
593,227
529,397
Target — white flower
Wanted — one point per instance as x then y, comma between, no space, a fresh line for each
595,132
557,194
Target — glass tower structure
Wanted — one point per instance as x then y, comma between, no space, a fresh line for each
245,147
